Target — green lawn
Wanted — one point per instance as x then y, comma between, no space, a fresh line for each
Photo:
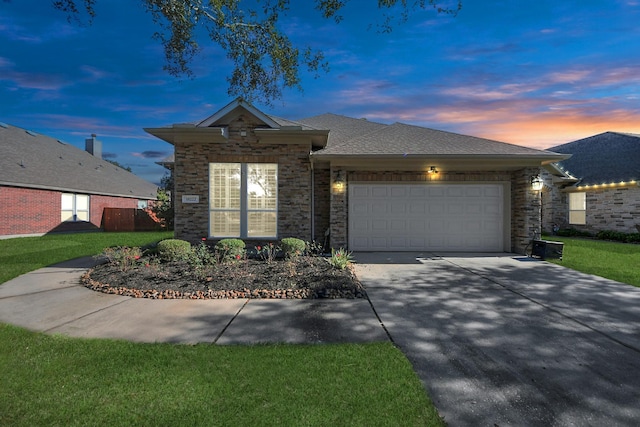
24,254
615,261
56,380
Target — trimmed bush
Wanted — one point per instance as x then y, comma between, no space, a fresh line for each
174,250
230,248
292,247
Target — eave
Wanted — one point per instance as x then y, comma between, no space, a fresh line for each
190,133
317,138
466,162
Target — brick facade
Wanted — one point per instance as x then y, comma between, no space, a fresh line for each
191,176
36,211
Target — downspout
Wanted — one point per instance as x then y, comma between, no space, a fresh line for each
313,201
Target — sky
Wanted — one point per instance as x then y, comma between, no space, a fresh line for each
537,74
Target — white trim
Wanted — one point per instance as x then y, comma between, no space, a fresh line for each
238,103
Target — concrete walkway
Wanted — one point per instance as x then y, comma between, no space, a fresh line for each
511,341
52,300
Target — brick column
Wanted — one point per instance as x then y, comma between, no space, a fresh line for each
338,210
526,209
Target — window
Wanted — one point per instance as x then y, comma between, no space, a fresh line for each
243,200
74,207
578,208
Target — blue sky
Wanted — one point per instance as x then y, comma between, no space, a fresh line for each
531,73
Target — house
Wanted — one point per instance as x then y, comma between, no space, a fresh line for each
47,185
368,186
602,192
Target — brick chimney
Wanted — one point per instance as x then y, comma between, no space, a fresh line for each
93,146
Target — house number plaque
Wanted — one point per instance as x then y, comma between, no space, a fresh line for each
190,198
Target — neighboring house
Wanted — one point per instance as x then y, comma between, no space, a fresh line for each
47,185
368,186
605,193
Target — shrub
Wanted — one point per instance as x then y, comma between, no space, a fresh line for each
340,259
292,247
618,236
314,248
572,232
122,256
229,249
174,250
200,255
268,252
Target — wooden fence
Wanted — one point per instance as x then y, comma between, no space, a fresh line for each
128,219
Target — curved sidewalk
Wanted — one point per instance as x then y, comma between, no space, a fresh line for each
52,300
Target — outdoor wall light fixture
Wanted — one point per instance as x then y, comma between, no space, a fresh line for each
432,170
536,183
338,184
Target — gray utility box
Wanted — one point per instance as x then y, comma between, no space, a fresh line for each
546,249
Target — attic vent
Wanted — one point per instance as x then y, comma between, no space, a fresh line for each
30,132
62,142
4,125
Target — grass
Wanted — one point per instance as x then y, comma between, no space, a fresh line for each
24,254
54,380
57,380
612,260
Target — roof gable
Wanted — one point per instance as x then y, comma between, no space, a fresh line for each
37,161
609,157
229,112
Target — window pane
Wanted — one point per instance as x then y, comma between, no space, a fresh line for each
577,217
67,202
577,201
66,216
224,183
225,224
82,216
262,186
261,224
82,202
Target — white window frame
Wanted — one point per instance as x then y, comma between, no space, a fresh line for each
240,207
578,208
75,207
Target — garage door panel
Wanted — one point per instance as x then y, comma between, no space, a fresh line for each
398,209
436,208
416,208
436,217
379,191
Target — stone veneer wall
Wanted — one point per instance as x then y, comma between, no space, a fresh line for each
192,177
555,204
613,208
525,203
616,209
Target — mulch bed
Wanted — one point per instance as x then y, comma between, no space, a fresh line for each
304,277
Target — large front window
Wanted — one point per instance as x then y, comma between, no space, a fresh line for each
243,200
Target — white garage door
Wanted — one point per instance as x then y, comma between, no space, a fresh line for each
433,217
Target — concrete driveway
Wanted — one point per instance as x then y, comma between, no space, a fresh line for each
511,341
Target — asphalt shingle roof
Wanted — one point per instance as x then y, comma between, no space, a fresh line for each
602,159
32,160
360,137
